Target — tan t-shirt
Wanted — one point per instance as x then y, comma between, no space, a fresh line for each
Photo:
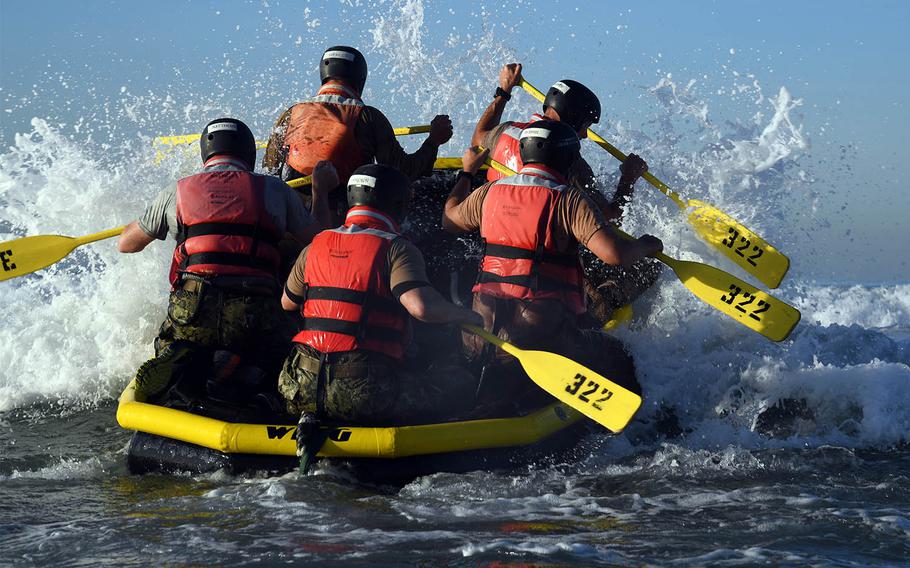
577,218
407,270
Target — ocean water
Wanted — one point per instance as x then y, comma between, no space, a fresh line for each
829,489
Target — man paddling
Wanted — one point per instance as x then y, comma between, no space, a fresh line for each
571,102
529,289
357,287
336,125
227,222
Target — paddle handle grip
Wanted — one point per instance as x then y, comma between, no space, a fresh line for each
406,130
300,182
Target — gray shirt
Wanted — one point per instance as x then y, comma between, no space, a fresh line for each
282,204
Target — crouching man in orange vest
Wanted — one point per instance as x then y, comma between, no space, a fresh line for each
357,287
225,293
337,126
568,101
529,288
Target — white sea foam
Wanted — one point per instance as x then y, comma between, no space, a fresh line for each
66,470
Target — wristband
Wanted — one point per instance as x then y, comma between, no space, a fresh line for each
461,174
500,92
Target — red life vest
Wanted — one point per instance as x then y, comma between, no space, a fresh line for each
348,303
507,151
224,228
322,128
520,259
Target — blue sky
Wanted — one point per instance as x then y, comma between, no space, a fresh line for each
70,60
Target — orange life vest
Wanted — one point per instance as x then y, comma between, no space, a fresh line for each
348,303
507,150
322,128
224,228
520,259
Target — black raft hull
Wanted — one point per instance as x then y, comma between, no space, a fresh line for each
169,440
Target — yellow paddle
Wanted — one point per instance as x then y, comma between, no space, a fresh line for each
28,254
588,392
748,250
182,139
439,164
746,304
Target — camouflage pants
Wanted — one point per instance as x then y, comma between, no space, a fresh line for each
252,326
368,389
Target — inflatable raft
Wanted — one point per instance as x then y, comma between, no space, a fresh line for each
213,437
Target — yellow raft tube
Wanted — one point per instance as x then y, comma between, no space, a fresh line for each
133,413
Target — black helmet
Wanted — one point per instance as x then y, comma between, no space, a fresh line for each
228,136
575,103
551,143
345,64
382,187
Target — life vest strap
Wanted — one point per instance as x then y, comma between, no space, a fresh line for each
536,282
352,328
351,297
228,258
518,253
226,229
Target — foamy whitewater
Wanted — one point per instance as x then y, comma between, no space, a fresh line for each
831,490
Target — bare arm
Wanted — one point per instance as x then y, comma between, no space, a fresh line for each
274,157
380,142
428,305
452,220
509,76
325,179
133,239
287,303
616,251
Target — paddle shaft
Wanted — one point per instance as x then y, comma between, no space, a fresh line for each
100,236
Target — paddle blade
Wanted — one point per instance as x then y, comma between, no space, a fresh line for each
753,308
588,392
748,250
28,254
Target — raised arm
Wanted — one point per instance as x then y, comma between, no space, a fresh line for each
380,140
509,76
